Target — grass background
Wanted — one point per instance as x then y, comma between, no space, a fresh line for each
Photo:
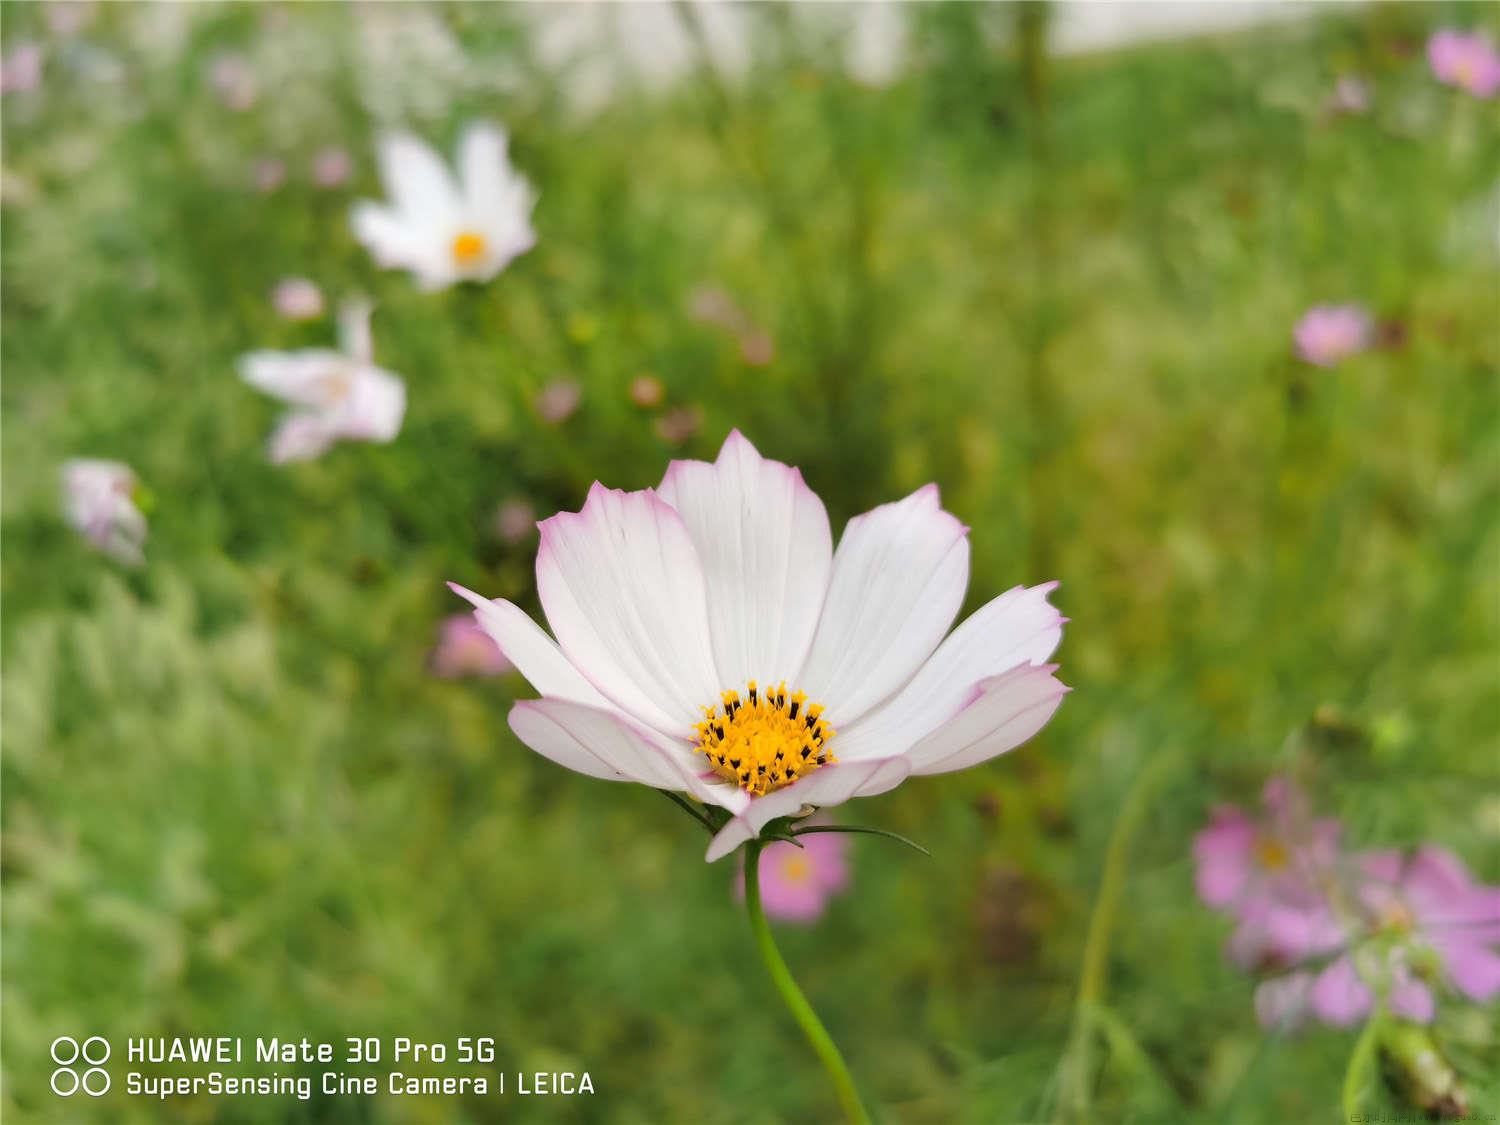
237,803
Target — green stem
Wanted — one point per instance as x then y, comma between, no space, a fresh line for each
807,1019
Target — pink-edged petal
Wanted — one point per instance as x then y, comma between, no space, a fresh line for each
1225,854
534,654
763,539
1339,997
624,593
1474,970
1411,999
830,785
1007,710
1019,627
898,579
1382,866
609,746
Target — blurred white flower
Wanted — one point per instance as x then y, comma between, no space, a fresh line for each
99,501
335,395
443,228
296,298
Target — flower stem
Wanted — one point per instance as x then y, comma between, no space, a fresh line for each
807,1019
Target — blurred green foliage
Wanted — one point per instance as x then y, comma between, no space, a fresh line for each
236,802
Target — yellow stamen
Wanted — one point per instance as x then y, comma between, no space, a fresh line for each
1272,855
796,869
468,247
766,740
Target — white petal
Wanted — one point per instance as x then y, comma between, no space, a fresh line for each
397,242
828,785
624,594
898,580
763,539
535,655
354,330
606,745
1018,627
374,406
418,183
1006,711
300,436
301,377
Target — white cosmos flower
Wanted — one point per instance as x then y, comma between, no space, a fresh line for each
709,640
99,501
334,394
446,229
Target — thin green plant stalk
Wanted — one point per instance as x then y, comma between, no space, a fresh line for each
802,1011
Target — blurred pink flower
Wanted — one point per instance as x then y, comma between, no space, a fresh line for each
99,500
710,304
465,649
558,400
1434,917
297,298
1269,875
1350,95
796,883
234,81
21,70
756,348
1466,61
269,175
1327,334
647,391
515,520
676,426
332,167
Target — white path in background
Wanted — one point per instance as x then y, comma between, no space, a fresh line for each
604,45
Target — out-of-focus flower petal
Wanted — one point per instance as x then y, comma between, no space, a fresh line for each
1339,996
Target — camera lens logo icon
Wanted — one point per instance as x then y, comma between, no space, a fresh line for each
68,1054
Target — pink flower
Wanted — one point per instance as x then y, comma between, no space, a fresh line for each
1327,334
332,168
1466,61
647,391
234,81
99,500
21,70
1435,921
558,400
1350,95
296,298
515,520
464,649
269,175
796,883
1269,874
68,17
676,426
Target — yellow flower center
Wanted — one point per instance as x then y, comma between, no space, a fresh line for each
795,869
1272,855
468,247
766,740
1397,917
